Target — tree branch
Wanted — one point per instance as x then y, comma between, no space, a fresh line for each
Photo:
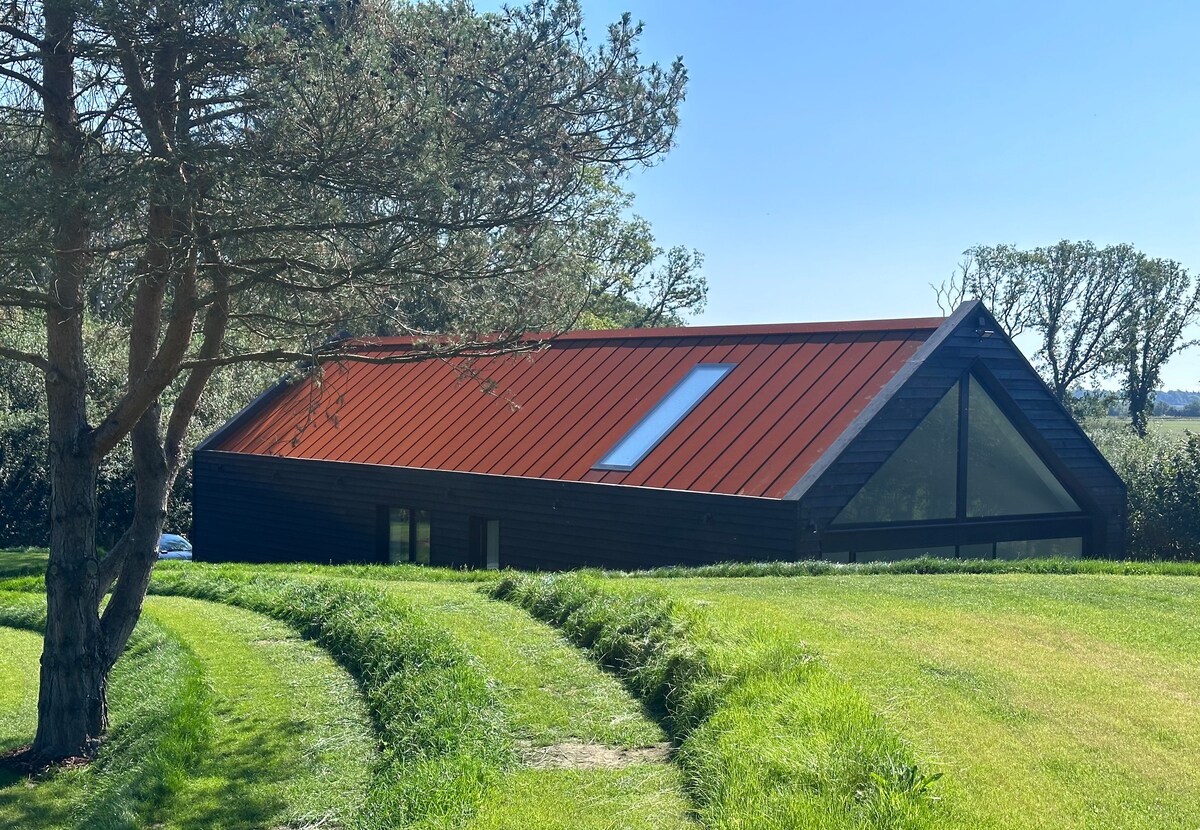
26,357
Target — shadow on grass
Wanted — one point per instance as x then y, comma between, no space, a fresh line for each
243,782
15,563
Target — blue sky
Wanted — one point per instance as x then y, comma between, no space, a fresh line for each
839,147
836,158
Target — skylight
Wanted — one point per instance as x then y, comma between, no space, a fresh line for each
660,420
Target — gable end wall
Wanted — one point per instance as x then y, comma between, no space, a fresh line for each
1052,431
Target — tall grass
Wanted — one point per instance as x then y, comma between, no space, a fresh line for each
443,743
161,717
769,737
924,565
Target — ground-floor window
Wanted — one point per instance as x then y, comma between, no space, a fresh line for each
1068,547
409,534
485,540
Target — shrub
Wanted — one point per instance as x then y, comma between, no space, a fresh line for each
1162,474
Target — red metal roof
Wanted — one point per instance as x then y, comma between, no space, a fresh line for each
555,413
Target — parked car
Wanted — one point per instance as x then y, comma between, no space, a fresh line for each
174,546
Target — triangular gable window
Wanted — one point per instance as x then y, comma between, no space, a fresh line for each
920,481
1005,476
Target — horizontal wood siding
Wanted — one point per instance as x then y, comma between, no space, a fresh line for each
1067,450
270,509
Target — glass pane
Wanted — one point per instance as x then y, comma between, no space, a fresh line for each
1071,548
662,419
493,544
908,553
399,535
1005,477
423,526
919,480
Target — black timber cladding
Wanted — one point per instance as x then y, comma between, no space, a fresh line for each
973,342
270,509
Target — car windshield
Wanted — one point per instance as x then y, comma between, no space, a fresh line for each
174,543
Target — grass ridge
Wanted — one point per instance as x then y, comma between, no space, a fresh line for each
443,743
161,722
920,565
727,717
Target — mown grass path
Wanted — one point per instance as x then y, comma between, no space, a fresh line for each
552,694
1049,702
291,744
20,652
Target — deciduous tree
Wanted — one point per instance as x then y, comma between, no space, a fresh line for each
1165,301
1072,295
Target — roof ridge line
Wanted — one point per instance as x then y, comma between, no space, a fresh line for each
829,327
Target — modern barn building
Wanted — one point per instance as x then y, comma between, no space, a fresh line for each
852,441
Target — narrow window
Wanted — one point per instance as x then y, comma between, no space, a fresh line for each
399,533
409,535
493,545
422,528
660,420
485,542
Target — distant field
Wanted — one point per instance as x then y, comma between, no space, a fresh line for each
1176,426
1047,701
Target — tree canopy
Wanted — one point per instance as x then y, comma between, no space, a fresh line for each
221,183
1097,312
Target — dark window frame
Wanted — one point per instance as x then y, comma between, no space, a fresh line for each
965,530
414,520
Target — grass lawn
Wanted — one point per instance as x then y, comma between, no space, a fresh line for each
550,694
28,562
291,744
19,655
1047,701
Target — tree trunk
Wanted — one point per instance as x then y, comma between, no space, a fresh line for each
135,554
1139,411
72,700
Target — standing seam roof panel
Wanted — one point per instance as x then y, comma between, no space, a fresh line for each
454,455
521,445
576,452
511,442
653,457
824,419
755,365
793,391
837,382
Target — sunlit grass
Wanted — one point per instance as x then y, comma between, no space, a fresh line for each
291,742
642,797
548,689
770,737
159,725
551,693
19,653
1049,702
